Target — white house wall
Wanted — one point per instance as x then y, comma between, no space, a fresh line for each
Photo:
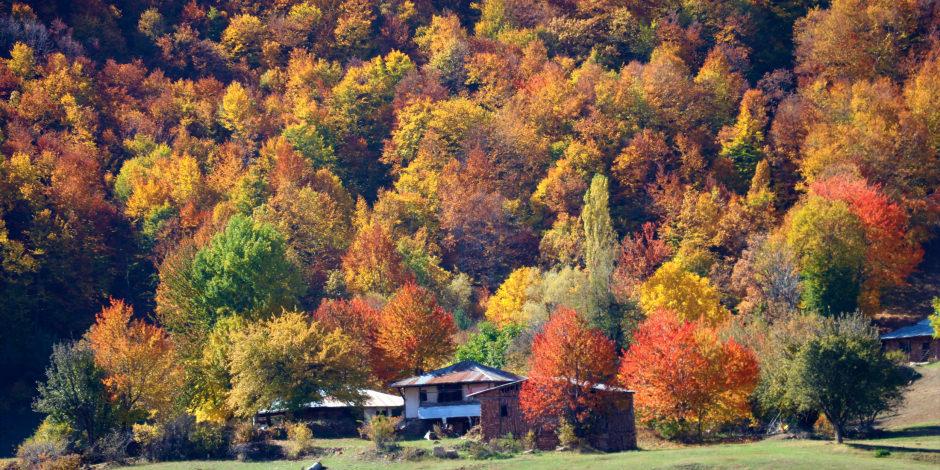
411,402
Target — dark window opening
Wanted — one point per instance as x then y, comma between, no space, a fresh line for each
449,393
503,410
423,395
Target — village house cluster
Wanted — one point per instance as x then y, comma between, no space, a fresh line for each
459,397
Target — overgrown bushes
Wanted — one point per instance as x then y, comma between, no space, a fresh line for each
381,431
181,438
299,440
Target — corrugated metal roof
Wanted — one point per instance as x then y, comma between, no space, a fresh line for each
595,387
921,328
461,372
373,399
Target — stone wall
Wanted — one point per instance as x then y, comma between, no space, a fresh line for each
615,428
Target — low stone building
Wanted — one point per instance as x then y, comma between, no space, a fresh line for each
916,341
501,414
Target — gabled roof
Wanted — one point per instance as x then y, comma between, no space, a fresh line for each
373,399
921,328
461,372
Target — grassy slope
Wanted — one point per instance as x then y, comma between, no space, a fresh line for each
912,448
921,400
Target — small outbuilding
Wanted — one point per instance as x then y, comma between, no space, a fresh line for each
917,341
335,418
501,414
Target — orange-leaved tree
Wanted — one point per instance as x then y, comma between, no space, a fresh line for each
372,264
569,359
415,333
685,375
891,255
359,320
143,372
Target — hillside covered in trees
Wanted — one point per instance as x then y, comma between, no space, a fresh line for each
193,191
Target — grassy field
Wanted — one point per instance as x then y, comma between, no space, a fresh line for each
910,448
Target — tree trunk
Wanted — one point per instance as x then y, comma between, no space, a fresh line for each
838,431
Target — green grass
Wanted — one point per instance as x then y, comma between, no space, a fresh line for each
910,448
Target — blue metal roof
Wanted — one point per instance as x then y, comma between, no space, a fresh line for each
921,328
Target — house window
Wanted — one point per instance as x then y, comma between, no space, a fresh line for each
449,393
504,410
905,346
423,395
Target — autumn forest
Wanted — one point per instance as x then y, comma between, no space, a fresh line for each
202,201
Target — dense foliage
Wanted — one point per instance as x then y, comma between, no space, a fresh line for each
407,169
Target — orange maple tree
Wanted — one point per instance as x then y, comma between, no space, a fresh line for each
684,374
359,320
891,256
415,333
569,359
372,264
143,373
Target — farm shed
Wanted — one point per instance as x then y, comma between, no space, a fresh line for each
334,418
917,341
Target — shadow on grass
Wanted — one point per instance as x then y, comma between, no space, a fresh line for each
916,431
918,450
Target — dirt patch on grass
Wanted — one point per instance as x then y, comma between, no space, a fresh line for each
920,401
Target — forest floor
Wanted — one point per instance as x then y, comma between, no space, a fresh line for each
903,448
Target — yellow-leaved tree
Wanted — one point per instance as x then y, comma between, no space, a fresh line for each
691,296
142,369
289,360
506,306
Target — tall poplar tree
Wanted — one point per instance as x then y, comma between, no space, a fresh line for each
599,245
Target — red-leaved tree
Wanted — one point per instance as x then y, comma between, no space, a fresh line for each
685,376
891,256
415,333
569,359
359,320
640,254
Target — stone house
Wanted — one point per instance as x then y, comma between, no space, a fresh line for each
501,414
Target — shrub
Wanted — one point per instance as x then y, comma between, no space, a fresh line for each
567,436
147,436
65,462
36,450
507,444
208,440
381,431
300,440
112,447
499,448
179,439
823,427
882,453
244,433
409,454
528,441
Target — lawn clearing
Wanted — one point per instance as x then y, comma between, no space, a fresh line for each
909,448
